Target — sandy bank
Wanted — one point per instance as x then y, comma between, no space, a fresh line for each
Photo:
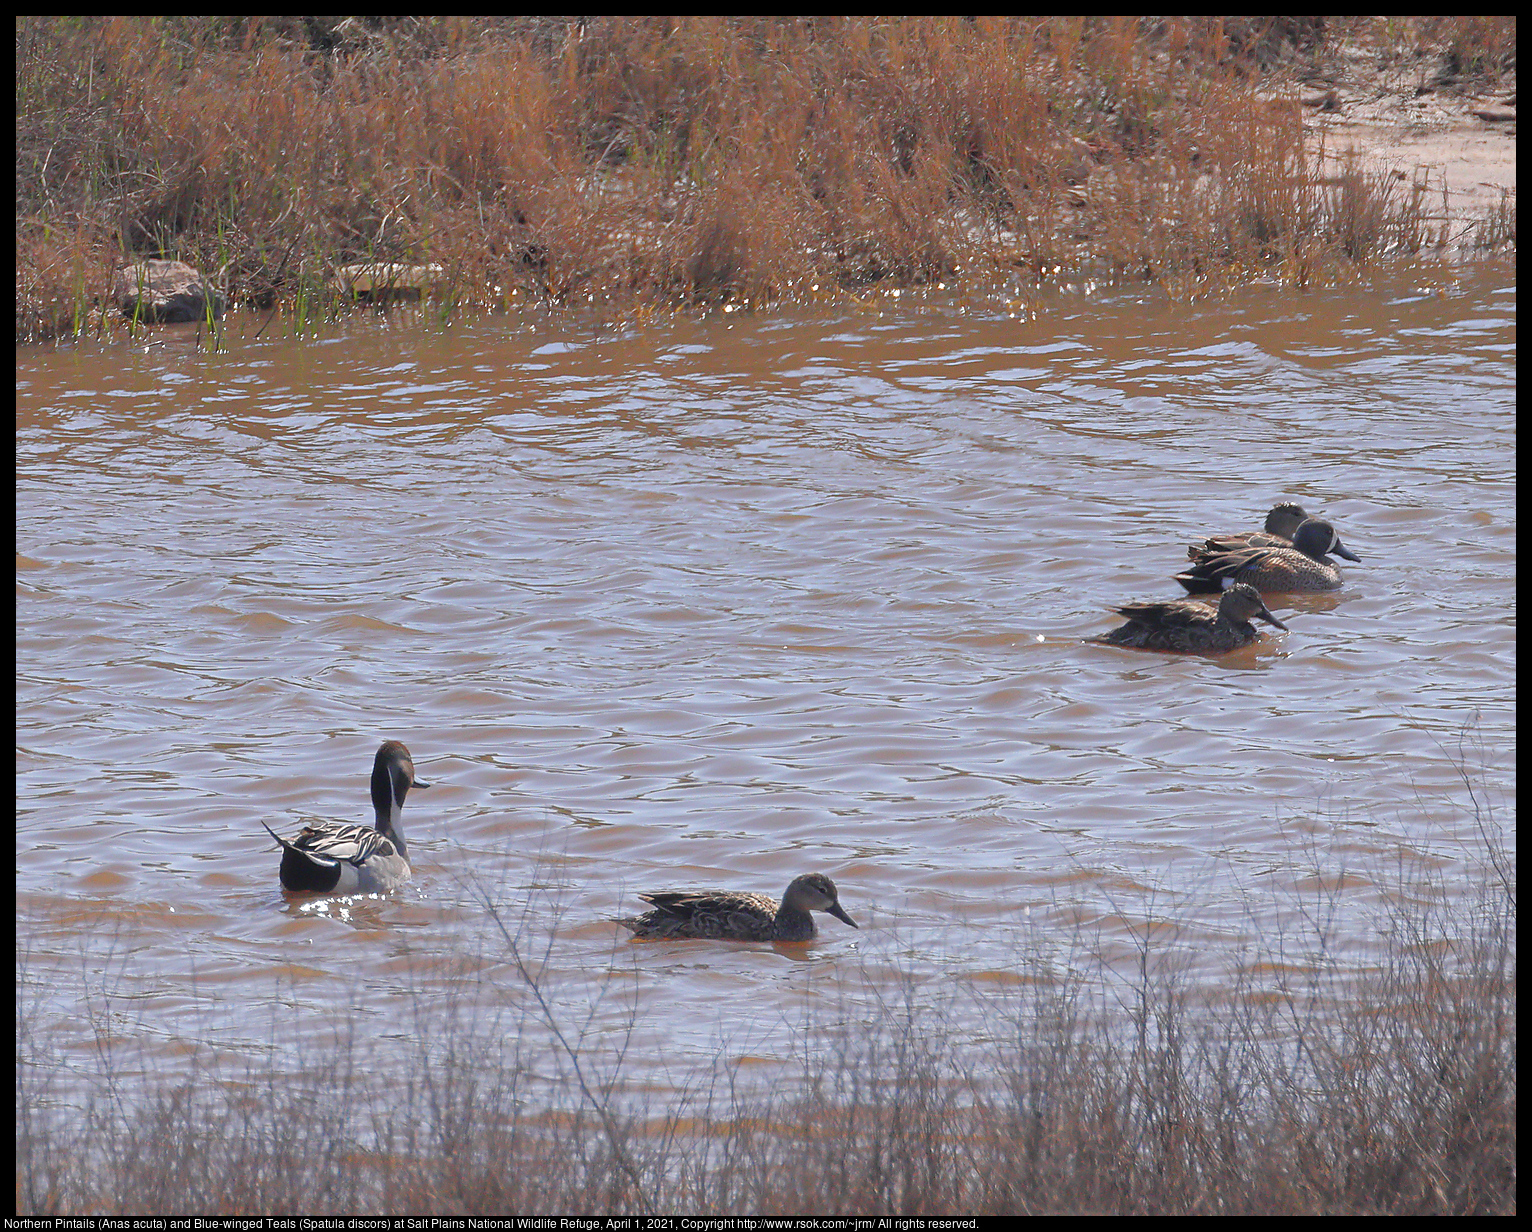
1420,122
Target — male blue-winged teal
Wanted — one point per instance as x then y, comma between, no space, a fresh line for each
1304,566
328,857
1191,627
1281,522
738,915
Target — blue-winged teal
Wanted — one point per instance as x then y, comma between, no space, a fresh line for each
737,915
1301,567
1279,527
330,857
1281,522
1191,627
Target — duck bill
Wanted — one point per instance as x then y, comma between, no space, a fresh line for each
1266,615
1340,549
839,913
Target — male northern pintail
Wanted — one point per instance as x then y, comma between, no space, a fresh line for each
738,915
330,857
1281,522
1304,566
1191,627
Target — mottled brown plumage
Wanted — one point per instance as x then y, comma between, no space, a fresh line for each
1281,522
1304,566
738,915
1190,627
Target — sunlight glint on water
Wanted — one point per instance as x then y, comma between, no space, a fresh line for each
723,602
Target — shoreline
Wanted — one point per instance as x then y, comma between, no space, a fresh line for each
1409,124
649,164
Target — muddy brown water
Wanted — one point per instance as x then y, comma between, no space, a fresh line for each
720,602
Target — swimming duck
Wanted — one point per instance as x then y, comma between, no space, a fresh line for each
1281,522
1189,626
1304,566
738,915
328,857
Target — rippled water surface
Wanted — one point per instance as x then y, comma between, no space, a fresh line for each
721,602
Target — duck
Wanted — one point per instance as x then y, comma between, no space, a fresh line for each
738,915
1190,627
1304,566
328,857
1281,522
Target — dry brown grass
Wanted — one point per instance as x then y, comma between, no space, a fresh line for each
654,161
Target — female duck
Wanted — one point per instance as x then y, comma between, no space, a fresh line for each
737,915
1281,522
1190,627
328,857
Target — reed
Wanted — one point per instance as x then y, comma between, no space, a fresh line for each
681,163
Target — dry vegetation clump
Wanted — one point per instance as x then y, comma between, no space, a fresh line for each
1301,1084
634,161
1478,50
